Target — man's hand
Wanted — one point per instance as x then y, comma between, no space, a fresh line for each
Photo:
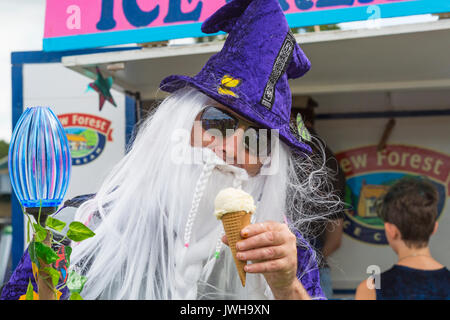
271,246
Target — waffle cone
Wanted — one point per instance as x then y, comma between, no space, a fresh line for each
233,223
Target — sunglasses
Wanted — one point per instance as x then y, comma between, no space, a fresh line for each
219,122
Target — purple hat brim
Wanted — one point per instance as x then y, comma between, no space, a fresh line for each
172,83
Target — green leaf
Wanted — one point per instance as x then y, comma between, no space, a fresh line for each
79,232
75,296
45,253
55,224
54,274
40,233
29,294
33,255
302,130
75,282
67,253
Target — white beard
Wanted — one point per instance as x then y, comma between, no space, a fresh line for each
200,273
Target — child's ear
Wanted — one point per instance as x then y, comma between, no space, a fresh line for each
436,226
392,231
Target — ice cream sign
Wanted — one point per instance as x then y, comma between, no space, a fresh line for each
369,174
75,24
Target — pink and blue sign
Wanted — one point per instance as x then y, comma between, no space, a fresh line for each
80,24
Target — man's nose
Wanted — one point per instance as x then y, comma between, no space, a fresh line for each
232,147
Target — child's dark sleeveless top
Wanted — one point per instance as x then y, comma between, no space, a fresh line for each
404,283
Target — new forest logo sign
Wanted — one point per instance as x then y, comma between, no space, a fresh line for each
77,24
370,173
87,135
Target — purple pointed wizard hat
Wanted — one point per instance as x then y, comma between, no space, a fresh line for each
250,74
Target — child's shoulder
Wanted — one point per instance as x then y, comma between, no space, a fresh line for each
366,290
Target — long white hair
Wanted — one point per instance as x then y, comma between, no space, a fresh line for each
156,235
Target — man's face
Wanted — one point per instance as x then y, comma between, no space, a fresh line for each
230,147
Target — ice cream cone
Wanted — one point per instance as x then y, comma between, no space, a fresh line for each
234,207
233,223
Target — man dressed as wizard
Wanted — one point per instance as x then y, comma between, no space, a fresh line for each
228,126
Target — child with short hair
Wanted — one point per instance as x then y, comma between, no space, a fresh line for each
409,211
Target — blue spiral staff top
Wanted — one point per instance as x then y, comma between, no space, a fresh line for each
39,160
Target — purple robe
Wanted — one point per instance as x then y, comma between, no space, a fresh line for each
18,283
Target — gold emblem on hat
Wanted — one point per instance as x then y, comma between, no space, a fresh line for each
227,84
